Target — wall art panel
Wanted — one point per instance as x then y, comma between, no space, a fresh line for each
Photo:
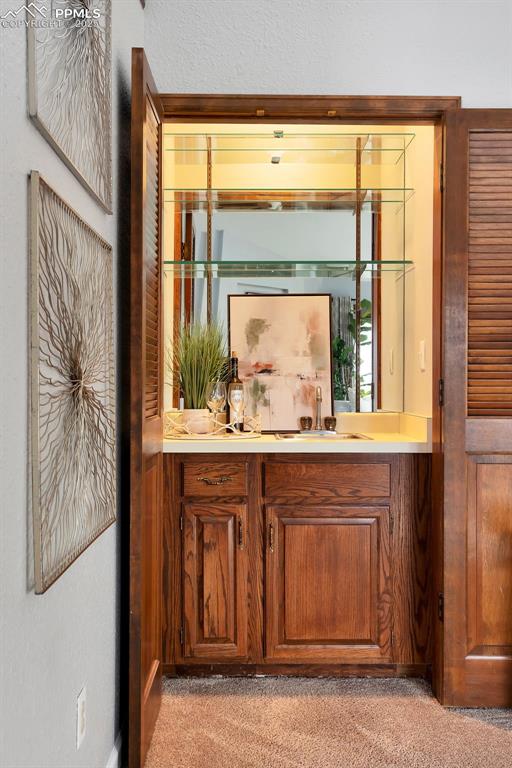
283,343
70,89
72,384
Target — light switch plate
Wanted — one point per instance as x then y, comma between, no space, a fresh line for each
422,356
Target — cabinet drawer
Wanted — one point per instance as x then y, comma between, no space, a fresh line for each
218,479
330,480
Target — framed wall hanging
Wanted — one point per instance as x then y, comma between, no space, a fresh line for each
283,344
72,435
70,90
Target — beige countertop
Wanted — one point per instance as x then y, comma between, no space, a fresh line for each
388,433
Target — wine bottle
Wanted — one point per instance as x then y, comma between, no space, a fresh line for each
235,395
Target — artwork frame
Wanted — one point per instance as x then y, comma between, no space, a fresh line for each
72,384
302,394
53,66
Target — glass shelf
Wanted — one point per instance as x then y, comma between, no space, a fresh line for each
285,269
286,199
336,148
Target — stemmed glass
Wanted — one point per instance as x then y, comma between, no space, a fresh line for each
216,398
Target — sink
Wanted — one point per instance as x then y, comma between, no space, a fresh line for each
320,435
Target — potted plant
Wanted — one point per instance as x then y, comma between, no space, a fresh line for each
199,358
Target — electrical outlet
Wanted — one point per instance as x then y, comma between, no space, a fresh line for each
81,720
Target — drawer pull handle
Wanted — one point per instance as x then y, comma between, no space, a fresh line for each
215,481
240,533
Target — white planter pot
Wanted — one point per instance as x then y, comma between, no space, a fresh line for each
342,406
197,420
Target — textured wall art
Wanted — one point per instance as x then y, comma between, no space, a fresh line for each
283,345
70,89
72,384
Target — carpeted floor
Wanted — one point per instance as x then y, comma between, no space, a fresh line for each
306,723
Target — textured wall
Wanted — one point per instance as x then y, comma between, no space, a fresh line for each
420,47
53,644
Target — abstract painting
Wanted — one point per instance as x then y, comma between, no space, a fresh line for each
283,344
73,470
70,89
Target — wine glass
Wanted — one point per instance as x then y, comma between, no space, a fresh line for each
216,397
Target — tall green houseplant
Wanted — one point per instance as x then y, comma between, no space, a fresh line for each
199,357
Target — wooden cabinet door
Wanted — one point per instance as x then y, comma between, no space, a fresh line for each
328,584
215,575
477,571
145,415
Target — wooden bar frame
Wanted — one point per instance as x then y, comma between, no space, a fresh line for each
388,110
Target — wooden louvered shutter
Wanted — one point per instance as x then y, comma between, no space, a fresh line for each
489,383
145,415
477,417
152,268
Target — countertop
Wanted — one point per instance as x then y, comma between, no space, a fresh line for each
381,442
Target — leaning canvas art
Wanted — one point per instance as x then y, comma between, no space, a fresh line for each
283,343
70,89
72,435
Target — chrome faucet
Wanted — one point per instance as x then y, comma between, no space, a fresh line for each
318,420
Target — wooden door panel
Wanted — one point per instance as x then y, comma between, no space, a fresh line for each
477,646
150,575
489,558
328,584
145,408
215,569
347,547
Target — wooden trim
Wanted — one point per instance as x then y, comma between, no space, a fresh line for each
298,670
290,108
489,435
437,479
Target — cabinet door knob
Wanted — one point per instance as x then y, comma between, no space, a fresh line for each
215,480
240,533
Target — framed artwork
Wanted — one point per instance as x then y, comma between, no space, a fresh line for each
70,90
283,344
72,392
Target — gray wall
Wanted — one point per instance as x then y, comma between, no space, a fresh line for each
418,47
53,644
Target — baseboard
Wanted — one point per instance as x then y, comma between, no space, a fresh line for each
298,670
114,758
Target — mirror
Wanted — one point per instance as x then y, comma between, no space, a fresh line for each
367,351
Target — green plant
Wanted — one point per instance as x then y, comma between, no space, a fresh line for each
199,357
344,353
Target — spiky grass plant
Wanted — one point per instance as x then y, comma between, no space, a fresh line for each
199,357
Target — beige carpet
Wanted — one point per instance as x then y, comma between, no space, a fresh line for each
305,723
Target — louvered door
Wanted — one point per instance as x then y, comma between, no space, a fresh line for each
145,415
478,409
